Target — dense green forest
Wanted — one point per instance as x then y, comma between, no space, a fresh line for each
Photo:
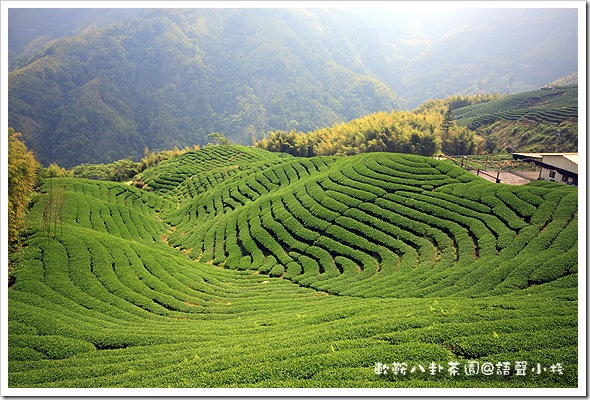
22,177
237,267
173,77
95,86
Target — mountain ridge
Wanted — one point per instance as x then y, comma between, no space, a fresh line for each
162,78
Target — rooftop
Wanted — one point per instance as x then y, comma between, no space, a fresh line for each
573,157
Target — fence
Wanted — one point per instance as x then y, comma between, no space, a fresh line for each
468,168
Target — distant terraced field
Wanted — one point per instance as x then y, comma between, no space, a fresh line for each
547,106
243,268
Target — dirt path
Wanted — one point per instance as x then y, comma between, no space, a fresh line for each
513,178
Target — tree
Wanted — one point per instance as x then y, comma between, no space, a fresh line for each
52,211
447,122
217,138
22,174
54,171
429,145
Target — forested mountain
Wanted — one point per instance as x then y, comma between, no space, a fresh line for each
104,84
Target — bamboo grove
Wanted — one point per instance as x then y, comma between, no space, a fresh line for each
425,131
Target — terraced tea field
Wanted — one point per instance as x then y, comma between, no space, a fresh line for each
548,106
242,268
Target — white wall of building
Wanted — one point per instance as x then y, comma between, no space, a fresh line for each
566,162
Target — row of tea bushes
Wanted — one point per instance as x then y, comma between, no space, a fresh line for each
172,172
367,226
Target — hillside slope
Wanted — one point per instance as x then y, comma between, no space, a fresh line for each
537,121
311,273
547,105
376,224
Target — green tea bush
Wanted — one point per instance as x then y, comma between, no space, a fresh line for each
277,270
53,347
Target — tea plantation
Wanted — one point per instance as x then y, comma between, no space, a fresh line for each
235,267
547,106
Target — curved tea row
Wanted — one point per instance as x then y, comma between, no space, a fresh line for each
549,106
218,160
379,225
